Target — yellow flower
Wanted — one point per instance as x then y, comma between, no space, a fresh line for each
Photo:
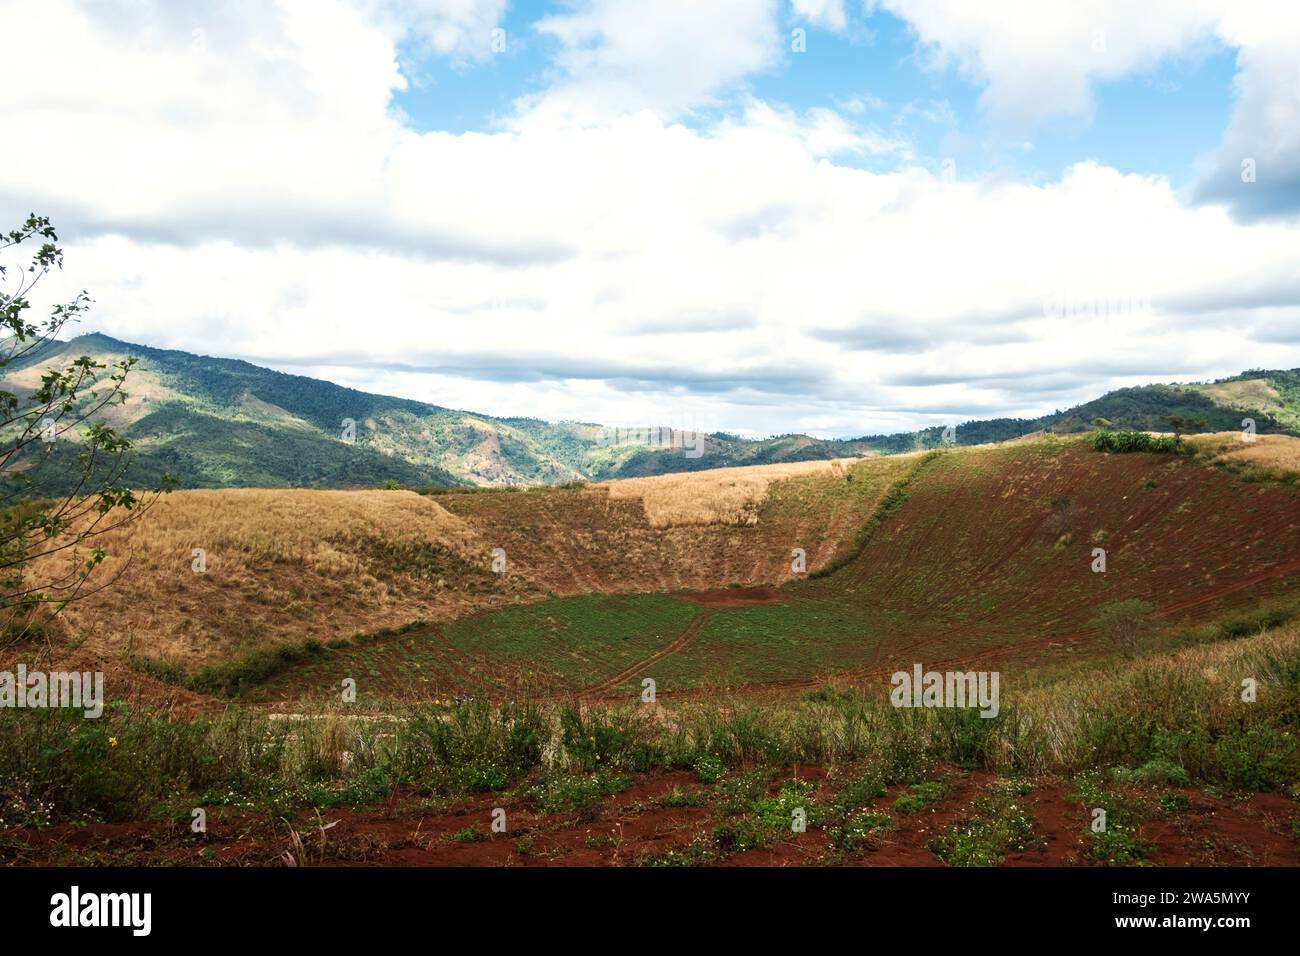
112,741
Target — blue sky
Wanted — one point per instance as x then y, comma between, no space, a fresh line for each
1159,120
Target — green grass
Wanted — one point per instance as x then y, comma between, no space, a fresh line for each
859,830
566,792
573,641
677,797
766,643
920,796
999,824
470,834
1166,721
1119,843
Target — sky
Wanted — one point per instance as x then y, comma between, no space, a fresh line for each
833,217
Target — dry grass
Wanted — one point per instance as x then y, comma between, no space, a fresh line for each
1253,393
286,565
1279,452
1164,686
726,496
281,565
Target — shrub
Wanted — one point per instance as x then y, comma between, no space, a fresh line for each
1124,623
476,747
1123,442
1260,758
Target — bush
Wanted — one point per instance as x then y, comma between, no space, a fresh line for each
860,790
1123,442
1260,758
1124,623
602,738
709,769
476,747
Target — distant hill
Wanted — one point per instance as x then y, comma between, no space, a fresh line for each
1271,398
216,422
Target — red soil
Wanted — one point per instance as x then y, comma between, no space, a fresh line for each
992,552
1252,831
733,597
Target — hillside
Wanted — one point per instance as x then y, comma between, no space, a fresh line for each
1272,398
767,697
287,565
223,423
688,579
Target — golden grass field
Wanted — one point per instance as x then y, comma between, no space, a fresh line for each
279,565
729,496
1281,452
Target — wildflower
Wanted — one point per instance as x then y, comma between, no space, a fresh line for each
112,741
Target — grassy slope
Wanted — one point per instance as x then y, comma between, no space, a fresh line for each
284,566
985,553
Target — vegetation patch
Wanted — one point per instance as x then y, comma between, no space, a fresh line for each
998,824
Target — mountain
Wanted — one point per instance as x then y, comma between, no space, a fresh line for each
1271,398
216,422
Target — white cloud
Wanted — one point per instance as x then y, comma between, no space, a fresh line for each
461,29
256,198
617,58
1038,60
1265,127
824,13
1042,60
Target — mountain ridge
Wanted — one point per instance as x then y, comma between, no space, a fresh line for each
212,421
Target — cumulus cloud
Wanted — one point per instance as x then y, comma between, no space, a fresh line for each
1042,60
825,13
1256,171
616,59
460,29
599,258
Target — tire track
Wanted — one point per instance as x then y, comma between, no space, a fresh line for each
685,638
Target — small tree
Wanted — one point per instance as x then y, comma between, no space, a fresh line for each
1123,624
61,471
1180,424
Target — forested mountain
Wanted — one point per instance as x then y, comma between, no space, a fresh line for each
215,422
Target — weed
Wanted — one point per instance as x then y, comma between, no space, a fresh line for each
999,825
470,834
921,796
860,829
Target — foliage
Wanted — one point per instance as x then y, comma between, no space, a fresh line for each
61,470
1125,442
1124,623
